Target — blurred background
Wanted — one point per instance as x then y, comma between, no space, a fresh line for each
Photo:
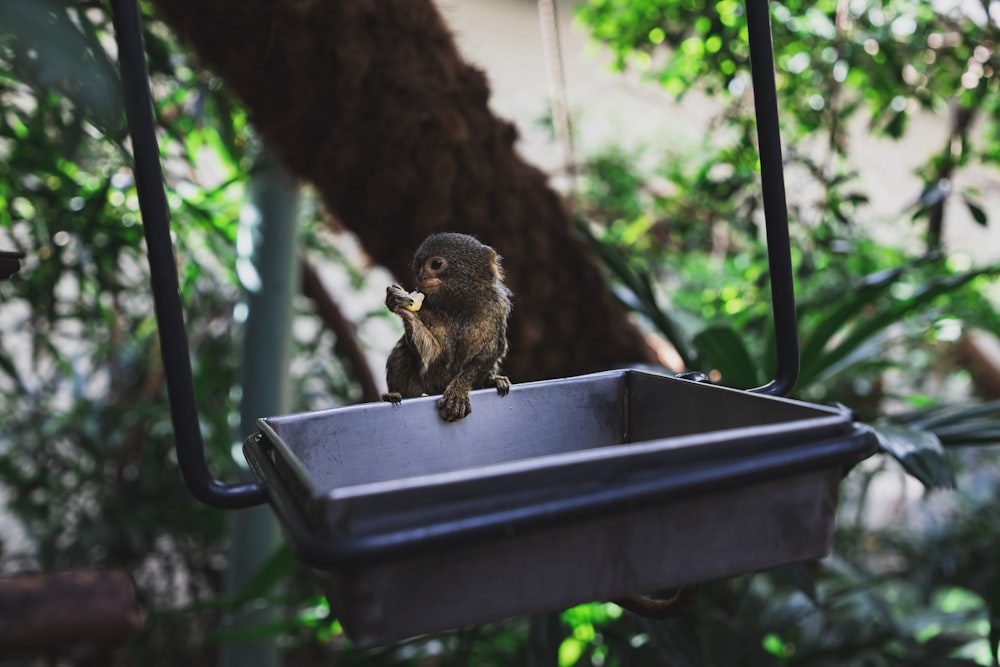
640,113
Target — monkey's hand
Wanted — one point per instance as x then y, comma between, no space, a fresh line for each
502,383
454,403
398,301
393,397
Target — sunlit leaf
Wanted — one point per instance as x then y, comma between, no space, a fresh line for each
55,54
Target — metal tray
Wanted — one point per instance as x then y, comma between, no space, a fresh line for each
565,491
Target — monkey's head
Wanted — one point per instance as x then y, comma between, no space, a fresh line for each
454,266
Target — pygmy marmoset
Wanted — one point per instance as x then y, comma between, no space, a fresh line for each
456,338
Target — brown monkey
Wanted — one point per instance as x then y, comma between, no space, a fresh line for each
456,338
454,341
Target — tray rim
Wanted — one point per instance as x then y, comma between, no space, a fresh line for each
835,416
776,433
585,377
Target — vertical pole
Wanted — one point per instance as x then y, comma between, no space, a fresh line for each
267,265
772,178
558,103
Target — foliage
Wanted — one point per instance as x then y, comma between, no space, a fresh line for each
876,323
853,332
86,453
85,456
719,318
884,60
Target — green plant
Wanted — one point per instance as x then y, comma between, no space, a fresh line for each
876,323
887,59
86,451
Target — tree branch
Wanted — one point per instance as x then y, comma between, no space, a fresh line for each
372,102
346,345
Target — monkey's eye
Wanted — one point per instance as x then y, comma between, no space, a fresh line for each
437,263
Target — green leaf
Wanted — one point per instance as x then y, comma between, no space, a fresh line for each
570,651
978,214
856,300
256,632
854,304
722,348
994,599
276,569
7,365
57,56
640,285
920,453
872,324
930,419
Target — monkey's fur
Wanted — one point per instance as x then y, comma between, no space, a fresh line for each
458,338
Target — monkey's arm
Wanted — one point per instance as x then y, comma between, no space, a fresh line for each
416,350
478,370
424,343
402,373
454,404
501,382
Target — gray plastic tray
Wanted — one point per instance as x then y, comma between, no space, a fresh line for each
564,491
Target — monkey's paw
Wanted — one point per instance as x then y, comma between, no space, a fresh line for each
398,300
454,406
502,383
393,397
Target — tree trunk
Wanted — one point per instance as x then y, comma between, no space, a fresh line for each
79,613
370,101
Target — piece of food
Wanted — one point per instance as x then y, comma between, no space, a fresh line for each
418,301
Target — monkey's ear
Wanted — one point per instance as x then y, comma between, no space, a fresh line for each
492,263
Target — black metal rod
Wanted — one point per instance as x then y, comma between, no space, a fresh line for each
163,270
775,210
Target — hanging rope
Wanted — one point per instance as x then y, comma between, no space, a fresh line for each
558,106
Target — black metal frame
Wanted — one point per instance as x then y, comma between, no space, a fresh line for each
165,285
163,271
773,193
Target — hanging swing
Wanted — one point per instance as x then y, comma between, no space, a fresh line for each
563,492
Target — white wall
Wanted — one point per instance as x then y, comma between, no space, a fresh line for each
503,37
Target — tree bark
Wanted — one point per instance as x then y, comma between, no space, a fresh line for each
67,612
371,101
347,343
